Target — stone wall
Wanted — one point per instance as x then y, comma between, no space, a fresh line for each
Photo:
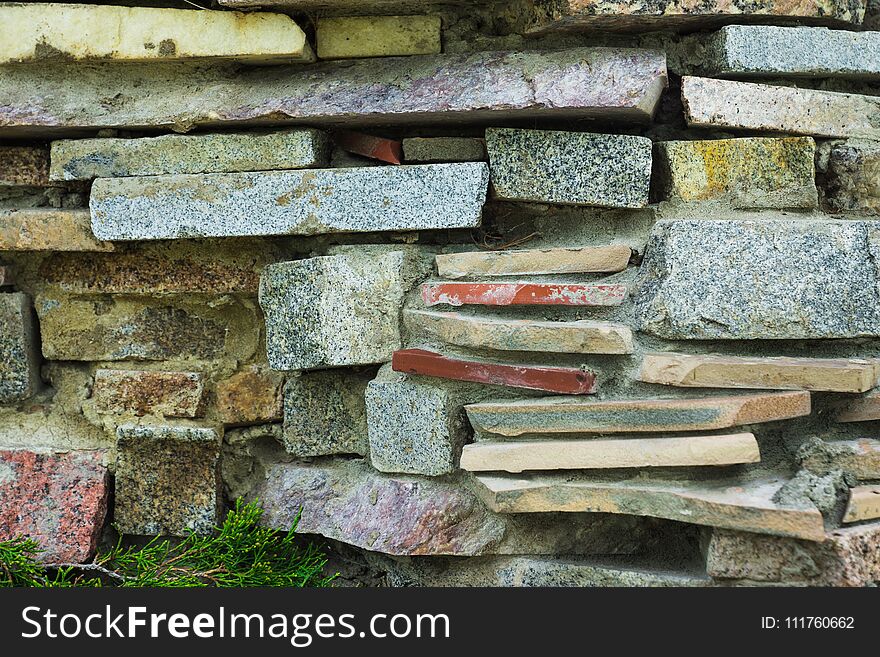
498,293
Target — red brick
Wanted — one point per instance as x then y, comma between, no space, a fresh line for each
524,294
564,380
377,148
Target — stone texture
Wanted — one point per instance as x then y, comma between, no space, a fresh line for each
849,176
251,396
768,51
501,334
59,500
600,454
370,146
444,149
552,415
377,36
759,279
576,168
19,348
864,504
863,409
752,172
365,199
825,374
623,84
166,479
717,104
858,459
585,259
732,504
44,229
325,413
85,159
7,276
524,294
24,166
53,32
141,392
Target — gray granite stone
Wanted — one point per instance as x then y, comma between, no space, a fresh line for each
849,175
419,197
444,149
19,348
577,168
760,279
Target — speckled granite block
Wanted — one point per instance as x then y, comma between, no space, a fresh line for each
421,197
19,348
577,168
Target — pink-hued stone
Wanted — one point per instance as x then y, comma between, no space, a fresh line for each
59,500
377,148
524,294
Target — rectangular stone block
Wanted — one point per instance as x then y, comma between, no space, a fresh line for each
713,103
826,374
377,36
586,259
749,279
47,229
365,199
552,415
572,168
24,166
85,159
524,294
496,333
444,149
863,409
58,500
850,176
599,454
370,146
251,396
752,172
19,348
864,504
730,504
858,459
142,392
47,32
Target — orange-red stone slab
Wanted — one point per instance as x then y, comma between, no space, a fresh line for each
376,148
523,294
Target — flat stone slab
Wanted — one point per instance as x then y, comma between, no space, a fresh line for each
563,380
24,166
501,334
617,84
444,149
46,229
586,259
769,51
730,504
367,199
571,168
863,409
85,159
524,294
58,500
750,279
714,103
251,396
47,32
346,37
142,392
627,453
20,348
552,415
826,374
864,504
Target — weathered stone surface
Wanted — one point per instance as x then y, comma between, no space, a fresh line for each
623,84
85,159
577,168
768,51
46,32
25,166
828,374
7,276
730,504
369,146
585,259
859,459
377,36
850,175
753,172
59,500
325,413
759,279
343,7
577,337
19,348
716,103
551,415
95,328
44,229
166,479
142,392
862,409
626,453
365,199
444,149
524,294
864,504
252,396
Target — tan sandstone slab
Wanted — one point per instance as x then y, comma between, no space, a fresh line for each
864,504
47,229
826,374
587,259
347,37
862,409
142,392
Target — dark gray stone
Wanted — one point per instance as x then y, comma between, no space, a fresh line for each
19,348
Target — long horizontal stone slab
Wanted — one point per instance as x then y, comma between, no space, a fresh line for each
617,84
367,199
444,149
714,103
746,506
553,415
863,409
348,37
523,294
24,166
482,332
585,259
864,504
826,374
48,229
626,453
60,32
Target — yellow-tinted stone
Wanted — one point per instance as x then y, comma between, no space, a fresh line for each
864,504
46,229
608,258
378,36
